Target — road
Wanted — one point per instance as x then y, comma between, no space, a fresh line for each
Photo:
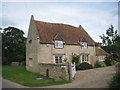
9,84
93,78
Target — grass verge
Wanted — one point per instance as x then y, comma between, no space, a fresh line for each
19,75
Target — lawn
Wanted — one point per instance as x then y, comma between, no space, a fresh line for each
19,75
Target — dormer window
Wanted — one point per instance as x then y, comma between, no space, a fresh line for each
58,41
84,43
58,44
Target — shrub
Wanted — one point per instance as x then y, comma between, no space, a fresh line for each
75,58
115,83
113,62
99,64
107,61
77,66
84,66
118,60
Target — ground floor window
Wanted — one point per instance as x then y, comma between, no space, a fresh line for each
102,58
58,59
84,58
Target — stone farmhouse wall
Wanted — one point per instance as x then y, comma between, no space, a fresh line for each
56,71
46,52
37,53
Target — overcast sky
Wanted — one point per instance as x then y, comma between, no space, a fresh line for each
95,17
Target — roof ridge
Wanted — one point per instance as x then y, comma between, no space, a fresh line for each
58,24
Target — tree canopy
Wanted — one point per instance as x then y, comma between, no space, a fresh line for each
111,42
110,37
13,45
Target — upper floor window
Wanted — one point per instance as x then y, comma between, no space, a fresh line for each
58,41
84,45
58,44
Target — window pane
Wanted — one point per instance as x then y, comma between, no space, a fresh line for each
84,45
102,58
83,58
87,57
58,44
60,59
56,59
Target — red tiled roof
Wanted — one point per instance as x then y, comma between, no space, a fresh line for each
70,34
100,51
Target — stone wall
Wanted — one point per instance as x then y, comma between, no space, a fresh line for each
56,71
32,48
117,67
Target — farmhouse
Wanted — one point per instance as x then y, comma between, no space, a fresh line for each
55,43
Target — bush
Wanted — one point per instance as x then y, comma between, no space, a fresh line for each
77,66
113,62
116,81
118,60
84,66
107,61
75,58
99,64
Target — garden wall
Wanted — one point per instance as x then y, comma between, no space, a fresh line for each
117,67
56,71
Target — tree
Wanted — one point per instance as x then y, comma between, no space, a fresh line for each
13,45
111,42
110,37
117,46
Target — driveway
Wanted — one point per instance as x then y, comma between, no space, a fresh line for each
93,78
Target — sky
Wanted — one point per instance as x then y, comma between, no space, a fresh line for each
95,17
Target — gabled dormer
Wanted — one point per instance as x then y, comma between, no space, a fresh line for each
84,43
58,41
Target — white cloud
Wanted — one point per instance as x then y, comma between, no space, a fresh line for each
94,19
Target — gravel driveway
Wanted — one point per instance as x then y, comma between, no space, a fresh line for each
93,78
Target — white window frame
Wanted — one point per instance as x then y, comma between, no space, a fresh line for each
84,58
84,45
102,58
58,44
59,58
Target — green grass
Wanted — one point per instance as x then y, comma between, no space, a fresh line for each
0,70
19,75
